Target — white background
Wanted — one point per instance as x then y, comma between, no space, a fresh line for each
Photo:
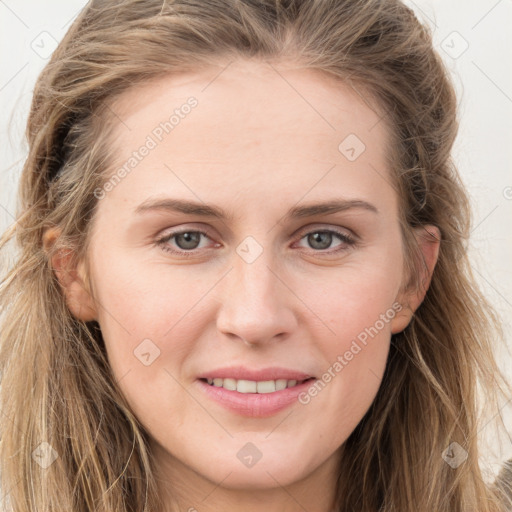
473,37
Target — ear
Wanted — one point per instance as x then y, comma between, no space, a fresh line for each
72,278
428,238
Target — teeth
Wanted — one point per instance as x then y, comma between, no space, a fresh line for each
246,386
266,386
229,384
281,384
251,386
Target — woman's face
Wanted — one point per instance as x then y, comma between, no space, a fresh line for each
288,267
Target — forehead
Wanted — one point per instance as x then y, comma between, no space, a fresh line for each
253,123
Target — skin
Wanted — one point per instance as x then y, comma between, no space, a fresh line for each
252,137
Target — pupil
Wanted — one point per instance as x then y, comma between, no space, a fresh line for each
191,239
317,237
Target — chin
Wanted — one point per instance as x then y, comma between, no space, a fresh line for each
256,478
274,470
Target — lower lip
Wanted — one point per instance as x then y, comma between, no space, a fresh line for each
255,405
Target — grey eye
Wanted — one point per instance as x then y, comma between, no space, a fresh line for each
320,239
188,239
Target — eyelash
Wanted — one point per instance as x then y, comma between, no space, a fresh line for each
163,242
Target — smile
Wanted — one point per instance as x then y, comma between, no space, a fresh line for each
252,386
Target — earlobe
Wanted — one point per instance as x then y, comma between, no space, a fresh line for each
428,238
72,278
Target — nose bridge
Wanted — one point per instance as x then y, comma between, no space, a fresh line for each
257,281
256,305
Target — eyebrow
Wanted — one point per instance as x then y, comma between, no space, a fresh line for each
297,212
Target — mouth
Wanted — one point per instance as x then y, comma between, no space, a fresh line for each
253,386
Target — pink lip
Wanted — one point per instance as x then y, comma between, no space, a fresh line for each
241,373
256,405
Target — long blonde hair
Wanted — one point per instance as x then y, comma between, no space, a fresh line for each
57,386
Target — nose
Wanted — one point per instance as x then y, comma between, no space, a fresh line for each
257,303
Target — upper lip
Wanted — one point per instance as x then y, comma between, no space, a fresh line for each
242,373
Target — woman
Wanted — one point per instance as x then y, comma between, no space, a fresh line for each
169,344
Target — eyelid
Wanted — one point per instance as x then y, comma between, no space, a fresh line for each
348,240
301,232
188,227
167,236
344,233
326,227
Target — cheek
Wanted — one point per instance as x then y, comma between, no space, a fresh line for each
352,300
353,337
140,299
148,316
354,363
338,401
